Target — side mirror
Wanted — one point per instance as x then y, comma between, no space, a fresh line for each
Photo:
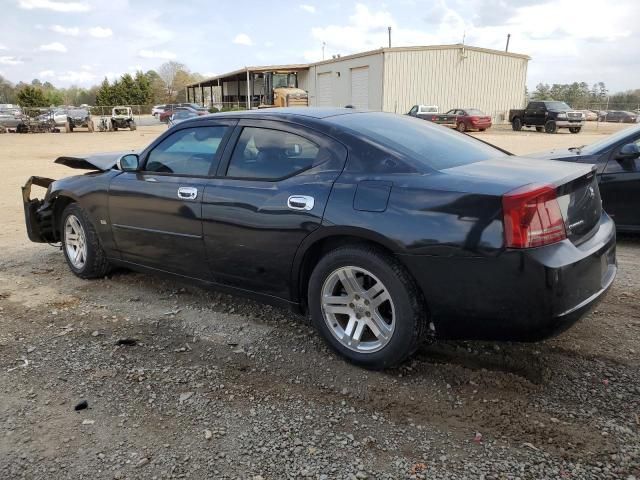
128,163
630,151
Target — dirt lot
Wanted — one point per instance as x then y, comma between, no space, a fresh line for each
221,387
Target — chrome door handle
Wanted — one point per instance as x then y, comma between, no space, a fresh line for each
187,193
300,202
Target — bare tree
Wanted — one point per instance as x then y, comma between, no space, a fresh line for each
167,72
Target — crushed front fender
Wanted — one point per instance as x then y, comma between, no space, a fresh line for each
38,213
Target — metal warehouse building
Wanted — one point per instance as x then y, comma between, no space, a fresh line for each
394,79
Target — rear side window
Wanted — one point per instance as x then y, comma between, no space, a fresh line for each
263,153
418,142
192,151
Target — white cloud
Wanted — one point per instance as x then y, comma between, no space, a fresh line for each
54,5
74,77
53,47
6,60
100,32
71,31
308,8
46,74
242,39
161,54
2,47
134,68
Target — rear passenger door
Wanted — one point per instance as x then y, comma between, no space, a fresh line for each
271,192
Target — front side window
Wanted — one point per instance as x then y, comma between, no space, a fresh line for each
262,153
413,110
192,151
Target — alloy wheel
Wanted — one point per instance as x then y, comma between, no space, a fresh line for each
358,309
75,242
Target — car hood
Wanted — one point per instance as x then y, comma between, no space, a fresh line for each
96,161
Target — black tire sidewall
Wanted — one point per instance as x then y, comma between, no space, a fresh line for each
516,124
550,127
406,333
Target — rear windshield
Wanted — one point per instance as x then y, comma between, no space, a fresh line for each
418,140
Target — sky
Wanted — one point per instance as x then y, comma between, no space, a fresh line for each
81,41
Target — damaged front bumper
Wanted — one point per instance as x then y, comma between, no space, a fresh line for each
38,214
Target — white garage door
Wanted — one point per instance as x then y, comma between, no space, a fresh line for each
360,87
325,99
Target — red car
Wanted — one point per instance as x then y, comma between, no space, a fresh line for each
470,119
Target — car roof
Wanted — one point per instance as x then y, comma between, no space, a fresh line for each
289,112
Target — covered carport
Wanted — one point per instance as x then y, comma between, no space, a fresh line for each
244,88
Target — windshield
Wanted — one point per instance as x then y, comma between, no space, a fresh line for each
557,106
608,142
423,142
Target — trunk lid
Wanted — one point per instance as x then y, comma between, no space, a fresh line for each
576,186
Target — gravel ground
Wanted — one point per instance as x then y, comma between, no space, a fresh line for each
187,383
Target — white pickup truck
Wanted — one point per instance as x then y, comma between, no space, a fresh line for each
431,113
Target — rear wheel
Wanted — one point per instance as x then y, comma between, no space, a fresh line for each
462,127
575,129
367,306
482,129
81,244
540,129
550,127
516,124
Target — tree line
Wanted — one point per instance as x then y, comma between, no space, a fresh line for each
581,95
164,85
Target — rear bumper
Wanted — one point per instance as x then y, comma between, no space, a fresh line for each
523,295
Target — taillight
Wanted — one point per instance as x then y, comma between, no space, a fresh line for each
433,118
532,217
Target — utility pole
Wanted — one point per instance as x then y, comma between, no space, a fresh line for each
323,45
508,38
389,28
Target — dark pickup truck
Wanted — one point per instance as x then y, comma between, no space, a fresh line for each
547,116
430,113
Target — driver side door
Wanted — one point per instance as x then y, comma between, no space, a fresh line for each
156,212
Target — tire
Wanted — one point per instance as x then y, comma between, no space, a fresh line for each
575,129
403,310
540,129
462,127
482,129
516,124
92,261
550,127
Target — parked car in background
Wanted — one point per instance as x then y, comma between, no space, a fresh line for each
157,110
384,228
430,113
619,116
617,159
11,116
589,115
180,116
194,106
164,116
470,119
547,116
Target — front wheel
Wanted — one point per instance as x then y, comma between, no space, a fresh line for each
81,244
367,306
575,129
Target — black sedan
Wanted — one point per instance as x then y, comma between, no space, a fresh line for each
619,116
384,228
617,159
